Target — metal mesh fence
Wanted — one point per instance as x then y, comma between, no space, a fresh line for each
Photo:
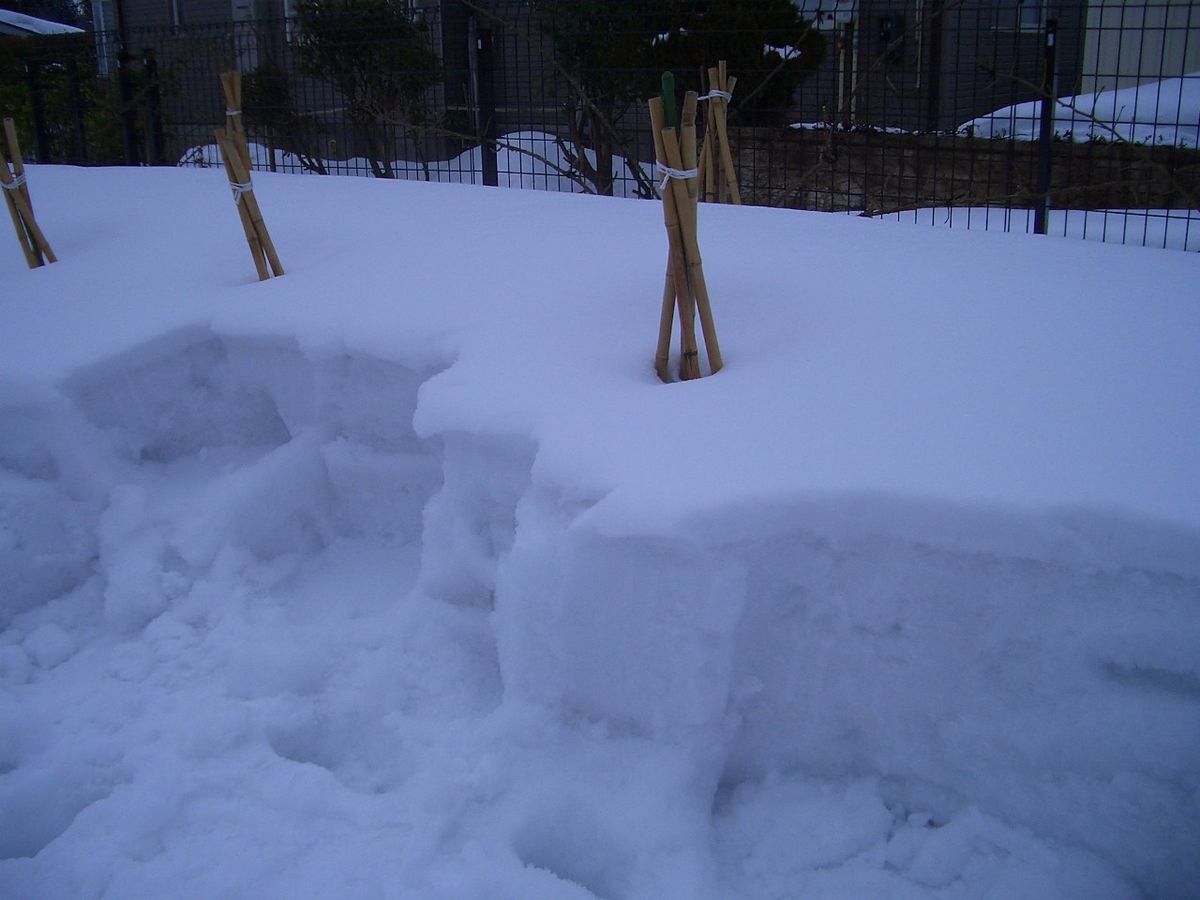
1070,118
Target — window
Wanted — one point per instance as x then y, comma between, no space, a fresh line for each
1019,15
290,25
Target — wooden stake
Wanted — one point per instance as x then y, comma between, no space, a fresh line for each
229,153
20,205
28,247
689,366
231,85
691,250
687,142
256,217
662,354
685,196
707,161
33,254
235,151
729,185
687,134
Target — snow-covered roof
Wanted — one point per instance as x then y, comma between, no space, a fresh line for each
18,23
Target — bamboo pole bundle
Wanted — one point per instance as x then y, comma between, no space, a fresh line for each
235,154
231,86
34,245
685,289
716,159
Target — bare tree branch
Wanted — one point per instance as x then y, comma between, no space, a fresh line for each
646,186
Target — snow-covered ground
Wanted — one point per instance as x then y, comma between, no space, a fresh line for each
402,576
1170,229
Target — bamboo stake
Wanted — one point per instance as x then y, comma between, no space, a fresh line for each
679,293
685,201
256,216
691,249
23,237
727,186
231,85
662,353
722,187
706,151
730,167
687,142
706,161
228,154
38,242
33,254
691,234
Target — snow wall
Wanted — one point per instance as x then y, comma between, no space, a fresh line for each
1038,666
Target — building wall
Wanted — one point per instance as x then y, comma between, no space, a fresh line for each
971,58
1147,40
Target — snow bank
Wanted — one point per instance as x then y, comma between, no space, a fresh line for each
404,571
1163,112
533,160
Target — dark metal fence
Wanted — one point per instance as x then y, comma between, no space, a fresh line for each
926,110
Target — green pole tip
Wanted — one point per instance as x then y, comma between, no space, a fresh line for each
668,99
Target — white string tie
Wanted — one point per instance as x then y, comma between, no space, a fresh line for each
240,188
678,174
233,112
714,94
16,183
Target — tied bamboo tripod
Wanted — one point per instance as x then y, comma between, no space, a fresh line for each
685,289
235,153
717,171
33,242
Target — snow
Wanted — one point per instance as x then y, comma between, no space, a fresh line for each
402,576
524,159
23,24
1165,112
1172,229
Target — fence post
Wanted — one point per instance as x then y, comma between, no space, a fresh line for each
1046,130
933,110
485,102
153,108
37,110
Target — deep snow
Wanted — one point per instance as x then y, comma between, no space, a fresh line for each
402,576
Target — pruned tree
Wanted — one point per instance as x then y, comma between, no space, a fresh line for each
270,108
613,51
768,44
606,48
380,59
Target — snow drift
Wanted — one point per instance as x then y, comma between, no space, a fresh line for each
401,575
1160,113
